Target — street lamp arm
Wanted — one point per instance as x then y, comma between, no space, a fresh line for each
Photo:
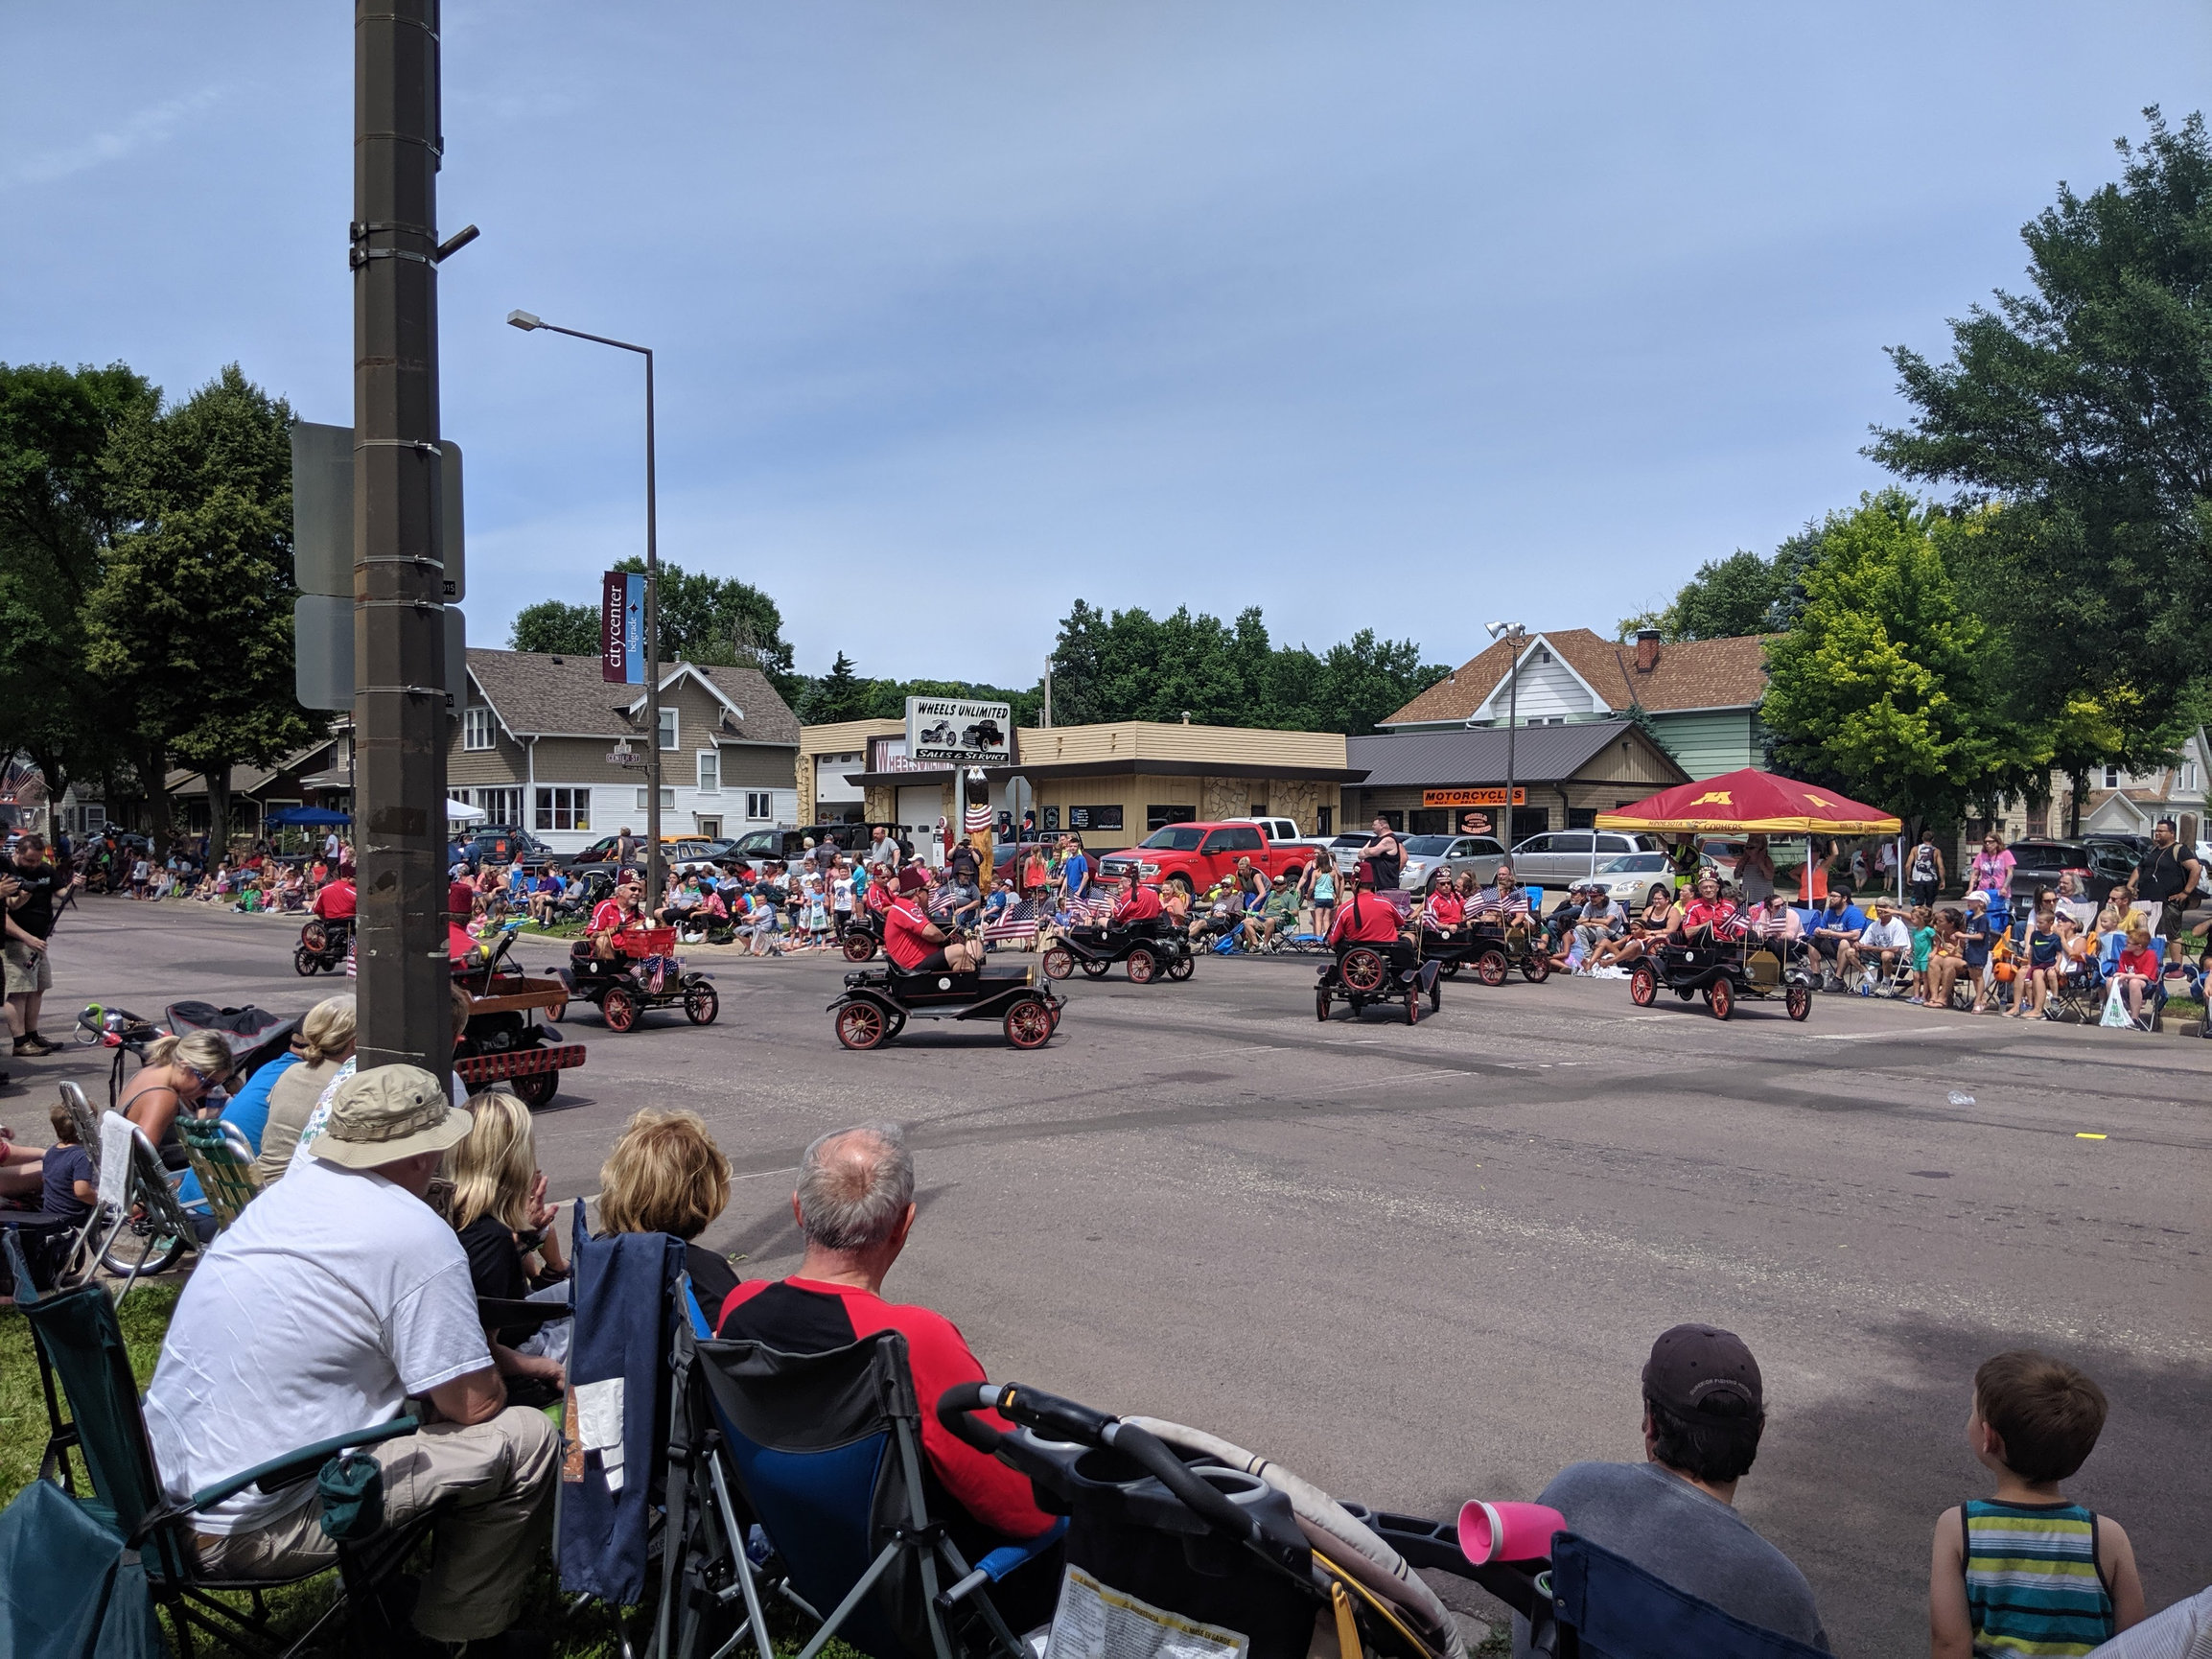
596,339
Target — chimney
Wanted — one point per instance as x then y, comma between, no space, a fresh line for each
1646,650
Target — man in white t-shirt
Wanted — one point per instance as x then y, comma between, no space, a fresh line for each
1883,943
334,1298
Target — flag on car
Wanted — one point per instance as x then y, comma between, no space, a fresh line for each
1014,924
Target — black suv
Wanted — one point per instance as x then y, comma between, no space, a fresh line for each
2097,867
506,844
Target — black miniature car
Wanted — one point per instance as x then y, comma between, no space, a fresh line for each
1153,950
878,1001
1724,971
1373,972
322,947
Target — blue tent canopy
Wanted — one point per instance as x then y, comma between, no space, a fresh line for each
302,816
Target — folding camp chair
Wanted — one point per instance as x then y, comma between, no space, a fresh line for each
79,1345
136,1202
222,1157
1587,1602
825,1452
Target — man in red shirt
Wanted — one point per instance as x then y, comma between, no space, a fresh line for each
855,1207
1445,909
1137,903
918,944
460,896
338,902
1709,917
1366,920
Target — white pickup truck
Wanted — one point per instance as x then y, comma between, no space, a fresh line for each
1283,832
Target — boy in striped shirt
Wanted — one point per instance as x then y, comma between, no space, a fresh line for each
2027,1572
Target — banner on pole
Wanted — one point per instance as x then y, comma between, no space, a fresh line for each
622,630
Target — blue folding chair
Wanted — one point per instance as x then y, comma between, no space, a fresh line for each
823,1453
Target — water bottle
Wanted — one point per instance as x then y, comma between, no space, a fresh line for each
1958,1099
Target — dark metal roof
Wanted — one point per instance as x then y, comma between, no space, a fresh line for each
1441,760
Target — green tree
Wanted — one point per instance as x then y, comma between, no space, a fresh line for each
557,626
841,694
191,624
2085,409
58,515
1879,690
1725,599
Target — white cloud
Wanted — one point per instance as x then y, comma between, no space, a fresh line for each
153,125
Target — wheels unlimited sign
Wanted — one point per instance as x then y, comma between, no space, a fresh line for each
951,731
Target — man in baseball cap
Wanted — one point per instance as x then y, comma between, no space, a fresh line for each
1674,1514
335,1299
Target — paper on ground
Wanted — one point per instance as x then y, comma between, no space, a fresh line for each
1095,1621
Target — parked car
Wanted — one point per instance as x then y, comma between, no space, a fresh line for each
757,846
1557,857
2096,866
1283,832
1345,850
1200,855
1634,878
676,852
1427,856
506,844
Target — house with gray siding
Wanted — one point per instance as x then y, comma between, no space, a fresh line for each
1698,698
541,739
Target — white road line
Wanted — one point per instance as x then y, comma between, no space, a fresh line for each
1885,1036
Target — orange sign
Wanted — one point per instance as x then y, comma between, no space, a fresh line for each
1472,797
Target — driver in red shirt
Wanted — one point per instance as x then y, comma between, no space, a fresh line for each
338,902
1708,917
919,945
1445,909
1366,920
1138,904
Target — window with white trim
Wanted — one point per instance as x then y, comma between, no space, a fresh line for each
667,800
2112,777
475,728
709,771
668,728
501,806
759,806
564,808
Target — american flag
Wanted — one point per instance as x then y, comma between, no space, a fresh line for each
1486,902
1016,922
1090,912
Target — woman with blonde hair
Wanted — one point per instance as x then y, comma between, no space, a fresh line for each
179,1075
665,1175
498,1208
324,1044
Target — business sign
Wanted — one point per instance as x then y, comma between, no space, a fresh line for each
948,731
1472,797
622,630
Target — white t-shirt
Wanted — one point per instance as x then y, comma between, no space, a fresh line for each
843,893
1894,936
334,1296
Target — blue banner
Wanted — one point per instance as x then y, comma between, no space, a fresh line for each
622,630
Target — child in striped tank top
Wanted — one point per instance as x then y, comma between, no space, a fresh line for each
2027,1572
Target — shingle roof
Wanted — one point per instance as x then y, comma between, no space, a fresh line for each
1476,754
1690,674
537,694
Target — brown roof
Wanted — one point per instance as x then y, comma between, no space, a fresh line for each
1692,674
539,694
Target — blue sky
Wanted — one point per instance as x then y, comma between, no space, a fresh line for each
1403,317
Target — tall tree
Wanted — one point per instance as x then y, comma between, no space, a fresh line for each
191,624
1879,690
58,515
2084,408
841,694
556,626
1725,599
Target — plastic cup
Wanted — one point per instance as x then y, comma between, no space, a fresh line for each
1507,1531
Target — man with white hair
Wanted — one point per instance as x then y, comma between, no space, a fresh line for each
855,1206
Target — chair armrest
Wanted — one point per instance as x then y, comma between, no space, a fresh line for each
1004,1559
299,1465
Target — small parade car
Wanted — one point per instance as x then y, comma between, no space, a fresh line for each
878,1001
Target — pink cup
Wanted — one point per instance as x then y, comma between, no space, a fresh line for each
1507,1531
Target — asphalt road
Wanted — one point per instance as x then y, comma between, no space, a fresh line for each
1424,1265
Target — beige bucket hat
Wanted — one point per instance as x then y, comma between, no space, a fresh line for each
381,1115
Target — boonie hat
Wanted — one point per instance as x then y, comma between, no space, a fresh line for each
1691,1364
386,1113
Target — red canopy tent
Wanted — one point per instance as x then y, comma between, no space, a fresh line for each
1751,800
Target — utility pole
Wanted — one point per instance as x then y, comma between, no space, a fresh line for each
405,980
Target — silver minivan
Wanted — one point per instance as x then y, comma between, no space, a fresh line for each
1558,856
1427,856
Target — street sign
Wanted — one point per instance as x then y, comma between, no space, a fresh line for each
323,652
322,513
621,754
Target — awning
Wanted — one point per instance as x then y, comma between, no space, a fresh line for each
301,817
1751,800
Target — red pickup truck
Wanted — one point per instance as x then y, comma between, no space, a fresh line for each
1200,855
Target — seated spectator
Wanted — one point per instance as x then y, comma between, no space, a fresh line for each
2043,965
337,1295
324,1044
1277,914
1946,960
666,1175
68,1182
1883,945
1837,924
2026,1571
1600,919
499,1213
1674,1514
1223,912
2138,970
179,1074
855,1208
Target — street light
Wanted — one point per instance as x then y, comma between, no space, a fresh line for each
528,321
1515,632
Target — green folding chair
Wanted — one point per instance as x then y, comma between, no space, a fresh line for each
80,1346
222,1160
